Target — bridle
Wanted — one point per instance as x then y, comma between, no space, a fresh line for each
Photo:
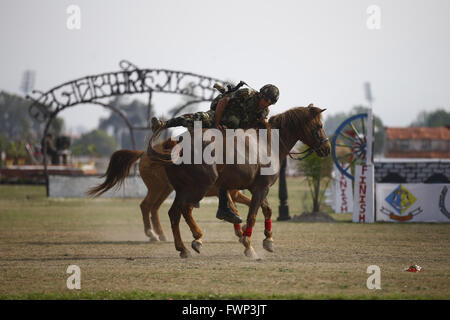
310,150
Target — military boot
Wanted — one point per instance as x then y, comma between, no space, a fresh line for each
224,212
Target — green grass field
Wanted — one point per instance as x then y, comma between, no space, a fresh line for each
41,237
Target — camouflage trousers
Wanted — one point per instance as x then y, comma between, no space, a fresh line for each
187,120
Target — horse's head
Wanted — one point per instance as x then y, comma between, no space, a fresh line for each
305,124
314,135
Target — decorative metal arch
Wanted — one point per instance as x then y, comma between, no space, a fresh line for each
130,79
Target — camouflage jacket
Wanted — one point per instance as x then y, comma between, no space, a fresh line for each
242,110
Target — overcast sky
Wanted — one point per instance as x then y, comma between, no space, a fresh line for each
317,52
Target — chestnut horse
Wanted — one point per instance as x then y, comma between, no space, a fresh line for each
192,181
158,188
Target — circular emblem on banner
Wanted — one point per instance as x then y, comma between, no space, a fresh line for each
401,199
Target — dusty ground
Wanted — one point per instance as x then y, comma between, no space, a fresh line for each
40,238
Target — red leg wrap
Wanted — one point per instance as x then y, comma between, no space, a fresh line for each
237,227
248,232
268,224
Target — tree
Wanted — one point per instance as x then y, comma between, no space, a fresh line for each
333,121
17,124
136,112
436,118
317,171
3,145
95,143
14,120
11,150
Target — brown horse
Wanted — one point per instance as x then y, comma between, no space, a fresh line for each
192,181
158,188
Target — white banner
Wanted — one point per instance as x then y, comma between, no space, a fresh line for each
343,192
363,199
413,202
330,195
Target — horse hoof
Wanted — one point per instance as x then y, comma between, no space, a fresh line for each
162,238
151,235
185,254
268,244
250,253
197,245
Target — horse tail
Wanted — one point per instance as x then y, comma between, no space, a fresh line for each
118,169
162,152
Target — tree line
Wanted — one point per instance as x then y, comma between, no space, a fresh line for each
18,128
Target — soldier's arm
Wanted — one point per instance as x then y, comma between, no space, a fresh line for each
261,119
221,105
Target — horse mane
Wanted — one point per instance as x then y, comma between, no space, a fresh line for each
294,117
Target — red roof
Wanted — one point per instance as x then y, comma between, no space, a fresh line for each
418,154
418,133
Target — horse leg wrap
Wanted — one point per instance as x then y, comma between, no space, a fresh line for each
248,232
268,224
237,227
268,228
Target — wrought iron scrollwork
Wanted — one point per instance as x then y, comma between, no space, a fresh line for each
129,80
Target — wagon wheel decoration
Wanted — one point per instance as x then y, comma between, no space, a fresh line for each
348,145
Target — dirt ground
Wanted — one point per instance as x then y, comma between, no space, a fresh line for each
40,238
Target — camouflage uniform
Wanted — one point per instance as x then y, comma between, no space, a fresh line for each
241,112
187,120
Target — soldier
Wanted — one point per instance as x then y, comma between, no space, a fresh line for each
236,108
51,149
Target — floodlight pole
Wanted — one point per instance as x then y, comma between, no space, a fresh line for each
369,137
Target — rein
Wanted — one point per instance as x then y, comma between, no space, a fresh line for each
307,152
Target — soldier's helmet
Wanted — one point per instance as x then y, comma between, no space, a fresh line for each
270,93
